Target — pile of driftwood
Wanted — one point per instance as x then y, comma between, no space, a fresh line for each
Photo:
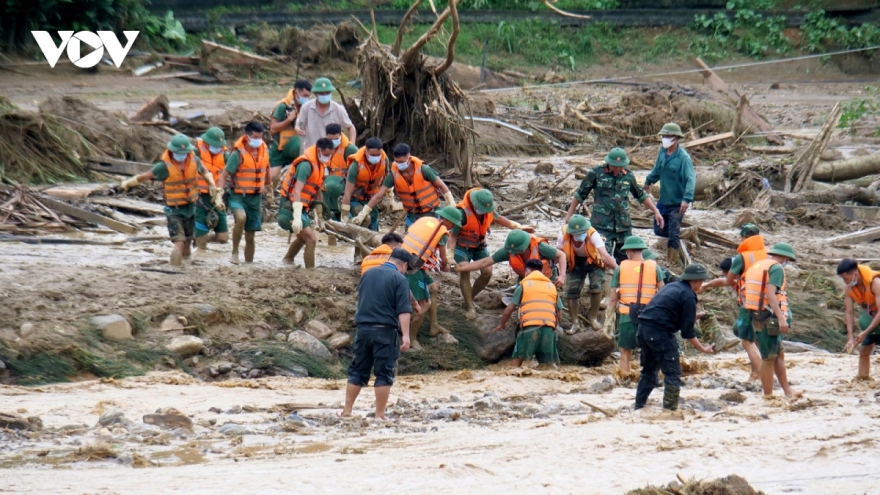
21,213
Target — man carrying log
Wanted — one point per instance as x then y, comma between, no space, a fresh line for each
315,115
212,153
520,247
247,170
179,171
335,171
585,252
417,185
539,314
286,143
300,192
674,170
366,173
613,184
862,288
468,242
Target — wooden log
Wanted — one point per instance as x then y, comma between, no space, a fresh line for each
708,140
240,57
115,166
771,150
523,206
356,232
838,194
864,235
75,191
88,216
801,173
852,168
131,204
172,75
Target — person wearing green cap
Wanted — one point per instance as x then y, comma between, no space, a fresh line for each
179,170
674,170
519,247
672,309
315,115
367,170
585,252
285,139
633,272
335,172
766,299
212,153
613,185
862,289
468,242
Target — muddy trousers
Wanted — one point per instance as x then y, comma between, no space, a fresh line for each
659,354
672,225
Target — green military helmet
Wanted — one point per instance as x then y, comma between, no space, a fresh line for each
450,213
180,144
334,185
578,224
483,201
695,271
783,249
748,230
617,158
648,254
322,85
214,137
671,129
633,243
517,241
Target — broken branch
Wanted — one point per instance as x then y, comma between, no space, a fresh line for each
450,45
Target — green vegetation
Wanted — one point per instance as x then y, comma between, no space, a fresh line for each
282,356
820,32
444,357
747,32
856,109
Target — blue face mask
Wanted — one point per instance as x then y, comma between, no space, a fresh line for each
302,100
580,237
402,166
179,157
324,99
337,142
215,149
255,143
373,159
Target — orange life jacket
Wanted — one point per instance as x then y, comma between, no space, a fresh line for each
338,165
593,256
754,280
752,250
631,271
419,197
288,132
252,173
313,184
376,257
518,261
370,177
181,186
538,304
865,298
419,234
473,232
214,163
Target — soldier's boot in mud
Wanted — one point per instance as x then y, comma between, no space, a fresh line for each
292,250
436,329
414,327
202,243
467,293
309,256
723,341
176,256
249,246
573,312
237,231
331,241
480,283
670,397
673,257
593,315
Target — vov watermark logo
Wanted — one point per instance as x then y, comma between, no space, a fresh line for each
103,40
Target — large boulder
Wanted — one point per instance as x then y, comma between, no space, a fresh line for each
492,346
113,327
304,342
339,340
588,348
185,345
318,330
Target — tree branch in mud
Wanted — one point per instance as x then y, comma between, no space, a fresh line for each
549,4
395,48
450,45
801,173
410,55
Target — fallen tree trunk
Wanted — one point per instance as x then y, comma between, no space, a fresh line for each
801,173
838,194
704,182
852,168
356,232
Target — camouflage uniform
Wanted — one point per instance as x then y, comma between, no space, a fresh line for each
610,215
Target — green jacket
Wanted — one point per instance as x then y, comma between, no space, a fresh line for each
676,176
611,205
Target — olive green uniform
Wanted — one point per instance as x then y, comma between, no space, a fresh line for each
331,199
181,219
770,345
537,341
252,204
280,158
420,279
285,207
463,254
430,175
627,331
356,205
546,251
742,328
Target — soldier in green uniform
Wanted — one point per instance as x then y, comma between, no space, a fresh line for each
613,185
285,140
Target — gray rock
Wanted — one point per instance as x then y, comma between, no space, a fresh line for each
294,417
703,405
446,413
209,314
588,347
292,371
224,368
297,316
171,324
544,168
168,421
488,402
491,346
308,344
15,421
454,398
112,417
26,330
794,347
600,387
2,365
339,340
113,327
234,430
185,345
318,329
280,337
706,383
254,373
234,410
490,299
401,402
531,409
261,331
554,408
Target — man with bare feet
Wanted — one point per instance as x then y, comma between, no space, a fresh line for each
862,288
382,320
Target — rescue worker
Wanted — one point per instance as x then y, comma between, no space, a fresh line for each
380,255
633,285
433,232
862,288
765,297
212,153
300,190
468,242
366,172
337,168
585,252
672,309
674,170
179,170
417,185
247,173
751,250
285,139
613,184
520,247
539,315
315,115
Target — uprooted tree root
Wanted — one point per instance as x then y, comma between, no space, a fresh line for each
730,485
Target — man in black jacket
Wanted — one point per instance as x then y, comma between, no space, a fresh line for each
674,308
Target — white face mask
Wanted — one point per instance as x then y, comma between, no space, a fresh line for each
324,99
215,149
668,142
402,166
323,159
580,237
854,282
302,100
373,159
255,143
179,157
337,142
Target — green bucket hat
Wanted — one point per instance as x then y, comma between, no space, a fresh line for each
633,242
322,85
483,201
748,230
649,255
783,249
617,158
180,144
695,271
450,213
578,224
671,129
517,241
334,184
214,137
